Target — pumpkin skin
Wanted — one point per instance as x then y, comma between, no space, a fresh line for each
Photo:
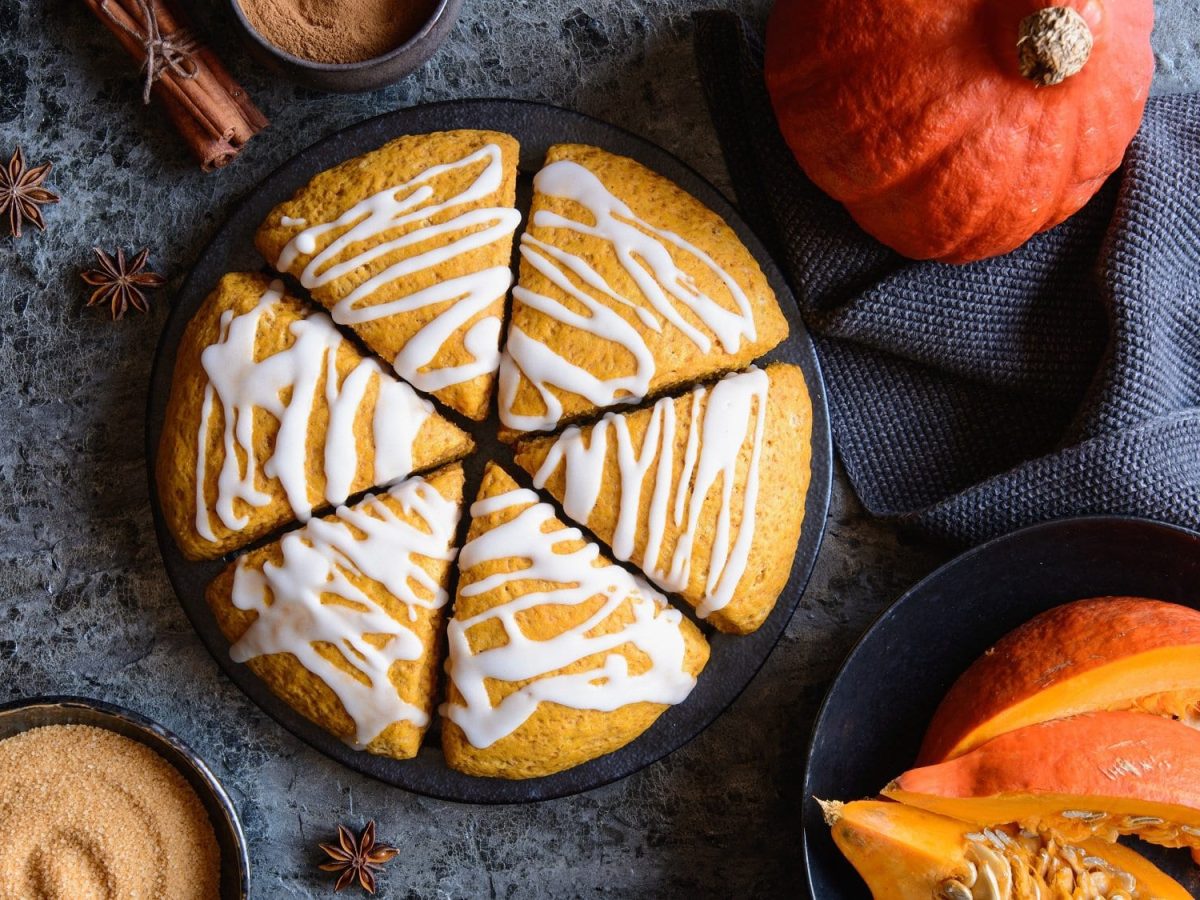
1111,773
915,115
905,853
1104,653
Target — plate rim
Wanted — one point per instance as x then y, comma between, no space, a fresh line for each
817,500
882,620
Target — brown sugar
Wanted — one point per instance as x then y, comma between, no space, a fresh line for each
86,813
337,31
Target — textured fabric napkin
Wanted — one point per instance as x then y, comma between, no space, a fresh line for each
1061,379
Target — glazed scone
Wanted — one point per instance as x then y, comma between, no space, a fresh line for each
410,246
273,413
704,492
628,286
556,655
343,618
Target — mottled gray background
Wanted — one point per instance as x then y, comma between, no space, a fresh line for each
85,603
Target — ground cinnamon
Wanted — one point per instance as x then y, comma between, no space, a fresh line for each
210,109
337,31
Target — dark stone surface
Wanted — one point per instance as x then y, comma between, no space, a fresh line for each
85,604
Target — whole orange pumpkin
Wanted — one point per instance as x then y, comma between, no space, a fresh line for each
957,129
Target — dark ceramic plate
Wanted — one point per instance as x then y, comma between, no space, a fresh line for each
734,660
17,716
870,727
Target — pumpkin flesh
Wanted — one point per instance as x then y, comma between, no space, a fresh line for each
900,851
905,853
1102,774
1105,653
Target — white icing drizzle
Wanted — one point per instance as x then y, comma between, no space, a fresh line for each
655,629
645,254
241,383
318,560
398,206
735,411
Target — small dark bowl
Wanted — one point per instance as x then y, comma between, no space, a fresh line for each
366,75
22,715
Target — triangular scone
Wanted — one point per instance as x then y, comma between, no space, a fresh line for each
410,246
343,618
704,492
273,414
556,655
628,286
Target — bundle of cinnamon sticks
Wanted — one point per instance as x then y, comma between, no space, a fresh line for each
210,109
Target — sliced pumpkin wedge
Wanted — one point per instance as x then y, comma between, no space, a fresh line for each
905,853
1098,775
1106,653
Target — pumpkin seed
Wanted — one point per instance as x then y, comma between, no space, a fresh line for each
992,877
1083,815
1035,865
1043,864
996,838
1142,821
953,890
1188,829
971,876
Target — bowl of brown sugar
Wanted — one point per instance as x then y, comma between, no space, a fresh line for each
97,801
345,45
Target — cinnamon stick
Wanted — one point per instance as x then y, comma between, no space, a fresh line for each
210,110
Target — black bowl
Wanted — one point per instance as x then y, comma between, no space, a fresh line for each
366,75
17,716
871,724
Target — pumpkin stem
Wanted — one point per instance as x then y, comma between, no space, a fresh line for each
1053,44
831,810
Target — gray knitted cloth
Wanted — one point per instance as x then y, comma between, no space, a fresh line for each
1061,379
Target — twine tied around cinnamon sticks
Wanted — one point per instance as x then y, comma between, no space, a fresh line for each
172,52
199,96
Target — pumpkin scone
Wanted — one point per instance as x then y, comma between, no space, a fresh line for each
273,413
705,492
628,286
410,245
342,618
556,655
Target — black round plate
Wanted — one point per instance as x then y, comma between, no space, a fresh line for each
734,660
871,724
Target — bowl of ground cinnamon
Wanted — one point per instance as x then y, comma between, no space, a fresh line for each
345,45
97,801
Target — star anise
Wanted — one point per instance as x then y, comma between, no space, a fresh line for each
21,193
357,860
121,284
